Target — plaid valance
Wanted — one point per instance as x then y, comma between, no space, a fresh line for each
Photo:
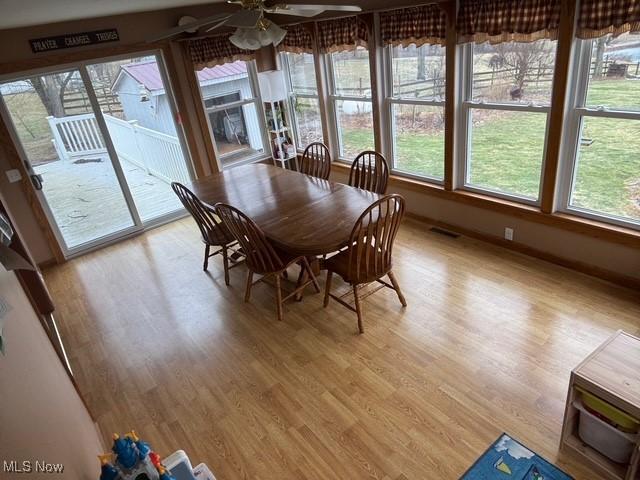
342,34
216,50
297,40
417,25
498,21
601,17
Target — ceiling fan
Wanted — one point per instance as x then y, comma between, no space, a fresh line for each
253,29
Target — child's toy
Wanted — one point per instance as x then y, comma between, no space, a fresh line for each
164,474
108,471
134,460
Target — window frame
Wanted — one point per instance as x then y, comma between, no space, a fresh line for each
575,112
387,110
334,98
463,137
292,95
252,76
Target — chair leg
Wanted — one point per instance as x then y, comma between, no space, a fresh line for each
205,265
316,285
302,278
356,300
327,288
247,292
225,263
278,297
396,287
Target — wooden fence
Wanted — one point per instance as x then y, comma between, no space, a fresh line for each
434,87
75,101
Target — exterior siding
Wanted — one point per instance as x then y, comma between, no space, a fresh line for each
243,86
156,114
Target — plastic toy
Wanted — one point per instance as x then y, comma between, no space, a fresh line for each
165,474
134,460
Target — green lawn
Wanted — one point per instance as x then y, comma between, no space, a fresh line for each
507,150
30,119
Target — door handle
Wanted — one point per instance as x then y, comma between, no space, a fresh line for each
36,179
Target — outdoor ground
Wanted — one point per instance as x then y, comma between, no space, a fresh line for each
506,147
87,202
507,150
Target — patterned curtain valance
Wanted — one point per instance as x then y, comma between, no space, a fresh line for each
297,40
342,34
498,21
601,17
418,25
216,50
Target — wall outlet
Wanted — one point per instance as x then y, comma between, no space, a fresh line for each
508,233
14,175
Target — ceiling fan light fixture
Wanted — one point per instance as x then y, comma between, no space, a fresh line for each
277,33
245,38
255,38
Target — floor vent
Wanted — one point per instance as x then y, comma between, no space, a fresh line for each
446,233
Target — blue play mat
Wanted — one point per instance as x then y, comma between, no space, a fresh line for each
508,459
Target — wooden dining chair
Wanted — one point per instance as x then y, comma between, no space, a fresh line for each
316,161
369,171
368,257
214,233
262,257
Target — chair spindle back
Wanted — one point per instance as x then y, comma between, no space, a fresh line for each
316,161
370,171
205,217
373,236
261,257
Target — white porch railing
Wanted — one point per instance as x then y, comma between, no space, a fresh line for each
159,154
76,135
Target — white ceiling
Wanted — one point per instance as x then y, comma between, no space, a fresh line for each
23,13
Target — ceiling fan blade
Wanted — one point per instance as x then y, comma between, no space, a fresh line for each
245,18
217,25
341,8
297,13
310,10
190,26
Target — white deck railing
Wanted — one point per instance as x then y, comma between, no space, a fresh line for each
76,135
159,154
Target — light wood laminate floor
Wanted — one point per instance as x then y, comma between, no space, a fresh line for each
485,346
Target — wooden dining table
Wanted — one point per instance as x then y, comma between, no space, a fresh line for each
298,213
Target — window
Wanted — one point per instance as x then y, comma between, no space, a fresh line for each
304,97
506,102
228,93
350,84
416,105
602,174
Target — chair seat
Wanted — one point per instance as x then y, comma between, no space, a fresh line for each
218,235
340,264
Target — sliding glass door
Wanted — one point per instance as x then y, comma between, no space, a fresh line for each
138,112
101,146
61,138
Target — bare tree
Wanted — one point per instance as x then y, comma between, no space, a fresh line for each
524,58
598,61
51,88
422,68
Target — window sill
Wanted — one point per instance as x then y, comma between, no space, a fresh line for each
565,221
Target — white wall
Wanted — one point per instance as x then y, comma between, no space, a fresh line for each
41,415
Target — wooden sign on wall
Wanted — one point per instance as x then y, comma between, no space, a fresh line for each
59,42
